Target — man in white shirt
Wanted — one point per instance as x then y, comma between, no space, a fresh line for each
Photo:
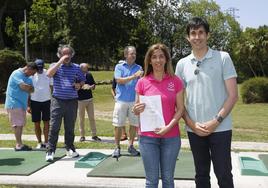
39,101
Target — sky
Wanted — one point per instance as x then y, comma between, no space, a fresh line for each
251,13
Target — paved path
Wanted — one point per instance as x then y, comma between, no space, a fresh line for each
251,146
63,174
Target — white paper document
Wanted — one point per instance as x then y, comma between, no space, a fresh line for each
152,116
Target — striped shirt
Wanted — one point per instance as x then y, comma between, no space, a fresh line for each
64,79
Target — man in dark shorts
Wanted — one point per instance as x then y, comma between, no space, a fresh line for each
39,105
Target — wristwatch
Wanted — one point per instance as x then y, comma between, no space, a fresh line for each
219,118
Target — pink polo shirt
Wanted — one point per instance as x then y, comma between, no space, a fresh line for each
168,89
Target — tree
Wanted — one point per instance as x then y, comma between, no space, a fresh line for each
14,10
98,29
164,21
2,10
223,27
251,53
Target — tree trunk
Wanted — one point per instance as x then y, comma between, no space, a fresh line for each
2,10
262,69
252,70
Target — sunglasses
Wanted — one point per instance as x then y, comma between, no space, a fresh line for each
197,70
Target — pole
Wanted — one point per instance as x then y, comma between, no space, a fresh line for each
25,38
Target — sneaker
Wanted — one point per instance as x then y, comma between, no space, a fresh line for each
96,138
75,154
133,151
23,148
72,153
123,137
46,145
82,139
50,156
116,152
39,146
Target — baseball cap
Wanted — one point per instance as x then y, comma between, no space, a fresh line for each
40,63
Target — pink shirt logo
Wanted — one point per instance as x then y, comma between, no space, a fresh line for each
171,86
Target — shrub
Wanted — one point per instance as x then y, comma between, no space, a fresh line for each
255,90
9,61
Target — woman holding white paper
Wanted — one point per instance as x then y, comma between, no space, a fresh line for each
159,147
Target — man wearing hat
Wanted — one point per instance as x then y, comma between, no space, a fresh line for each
39,103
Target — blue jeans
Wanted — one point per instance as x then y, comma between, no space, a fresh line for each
159,153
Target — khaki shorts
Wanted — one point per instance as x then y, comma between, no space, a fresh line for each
17,117
122,110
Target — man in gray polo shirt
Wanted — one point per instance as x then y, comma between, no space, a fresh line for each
211,92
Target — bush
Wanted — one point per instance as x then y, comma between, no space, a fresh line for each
9,61
255,90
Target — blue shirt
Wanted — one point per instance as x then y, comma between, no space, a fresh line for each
15,96
126,92
64,79
206,91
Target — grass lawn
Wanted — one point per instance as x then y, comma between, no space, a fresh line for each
250,122
7,186
102,75
104,128
103,99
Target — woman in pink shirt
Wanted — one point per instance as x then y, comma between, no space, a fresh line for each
160,148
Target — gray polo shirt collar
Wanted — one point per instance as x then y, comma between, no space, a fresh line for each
207,56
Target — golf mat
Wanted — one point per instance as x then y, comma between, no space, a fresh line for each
24,163
252,167
132,167
264,158
90,160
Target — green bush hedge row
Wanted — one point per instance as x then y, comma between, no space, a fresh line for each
255,90
9,61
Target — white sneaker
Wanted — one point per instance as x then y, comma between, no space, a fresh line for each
50,156
39,146
72,154
68,153
75,154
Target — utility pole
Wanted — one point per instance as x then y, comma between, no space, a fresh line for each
25,37
232,12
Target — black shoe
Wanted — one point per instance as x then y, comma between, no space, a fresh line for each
123,137
82,139
23,148
96,138
133,151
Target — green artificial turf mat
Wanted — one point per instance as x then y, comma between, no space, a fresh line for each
132,167
252,167
24,163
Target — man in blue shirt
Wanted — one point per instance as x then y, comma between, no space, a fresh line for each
126,75
67,80
19,87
